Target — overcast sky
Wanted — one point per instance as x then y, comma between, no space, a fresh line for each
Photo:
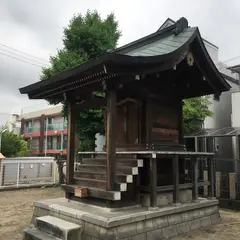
35,27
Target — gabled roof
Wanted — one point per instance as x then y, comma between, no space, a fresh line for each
169,22
160,50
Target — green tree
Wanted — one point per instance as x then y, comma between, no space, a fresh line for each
84,38
195,110
13,145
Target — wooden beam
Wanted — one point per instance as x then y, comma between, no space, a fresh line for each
94,192
153,181
91,103
194,179
175,162
171,187
111,139
99,103
70,144
210,177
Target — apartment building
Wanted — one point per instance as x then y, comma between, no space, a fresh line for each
45,129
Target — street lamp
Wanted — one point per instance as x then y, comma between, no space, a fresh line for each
1,132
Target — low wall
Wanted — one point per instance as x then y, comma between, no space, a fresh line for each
132,224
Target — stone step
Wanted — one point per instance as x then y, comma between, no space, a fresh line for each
103,176
94,192
120,162
36,234
101,184
59,228
102,168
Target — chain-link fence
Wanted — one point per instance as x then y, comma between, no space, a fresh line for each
27,171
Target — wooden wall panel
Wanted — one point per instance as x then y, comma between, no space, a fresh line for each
121,124
162,134
133,123
165,122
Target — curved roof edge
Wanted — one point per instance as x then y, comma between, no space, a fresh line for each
194,44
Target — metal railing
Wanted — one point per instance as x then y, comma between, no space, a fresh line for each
27,171
32,129
56,126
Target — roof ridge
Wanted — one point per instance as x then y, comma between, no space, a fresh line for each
176,28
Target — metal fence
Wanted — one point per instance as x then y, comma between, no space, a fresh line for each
27,171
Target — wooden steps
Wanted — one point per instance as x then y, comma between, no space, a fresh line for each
94,192
101,184
120,162
91,174
103,176
102,168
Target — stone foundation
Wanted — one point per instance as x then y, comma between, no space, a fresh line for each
166,199
130,224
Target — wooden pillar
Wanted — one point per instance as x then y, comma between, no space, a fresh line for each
194,179
175,163
232,186
218,184
70,144
111,139
153,181
196,143
210,178
205,179
236,167
180,124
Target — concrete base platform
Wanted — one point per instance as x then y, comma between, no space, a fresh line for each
166,199
130,224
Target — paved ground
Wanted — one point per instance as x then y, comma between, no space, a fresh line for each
16,208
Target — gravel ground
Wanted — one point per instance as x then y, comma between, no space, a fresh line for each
16,208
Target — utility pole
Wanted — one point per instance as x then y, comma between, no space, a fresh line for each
46,137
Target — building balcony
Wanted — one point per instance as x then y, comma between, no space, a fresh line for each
50,130
56,126
50,150
55,132
30,130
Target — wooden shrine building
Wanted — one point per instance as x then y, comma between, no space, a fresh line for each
143,85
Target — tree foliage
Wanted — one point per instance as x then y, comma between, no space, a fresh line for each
195,110
85,37
13,145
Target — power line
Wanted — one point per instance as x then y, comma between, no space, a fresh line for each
21,60
230,59
23,52
22,57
